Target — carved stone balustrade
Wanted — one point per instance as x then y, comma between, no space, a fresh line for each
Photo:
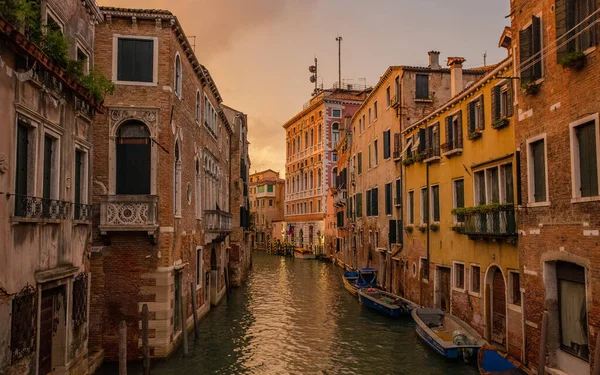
128,213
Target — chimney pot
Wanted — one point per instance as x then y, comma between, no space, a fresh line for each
456,74
434,60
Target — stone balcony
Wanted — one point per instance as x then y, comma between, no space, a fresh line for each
129,213
217,221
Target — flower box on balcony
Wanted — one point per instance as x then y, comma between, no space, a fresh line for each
409,228
530,88
574,60
476,134
422,228
500,123
435,226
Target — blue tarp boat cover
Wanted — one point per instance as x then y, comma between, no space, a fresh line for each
494,363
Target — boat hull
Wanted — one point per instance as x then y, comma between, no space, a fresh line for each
304,255
492,362
350,286
394,313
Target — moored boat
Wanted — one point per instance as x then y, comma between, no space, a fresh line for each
492,362
349,279
363,278
303,253
385,302
446,334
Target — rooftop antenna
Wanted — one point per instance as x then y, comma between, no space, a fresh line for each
485,58
339,40
313,78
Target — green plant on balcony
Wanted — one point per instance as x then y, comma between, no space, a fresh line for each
482,209
408,160
475,134
25,15
530,87
98,85
574,60
434,226
56,46
500,122
409,228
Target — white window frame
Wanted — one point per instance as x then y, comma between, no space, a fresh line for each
454,275
50,12
79,47
333,113
510,295
477,109
178,81
471,278
115,59
56,156
575,174
422,193
530,172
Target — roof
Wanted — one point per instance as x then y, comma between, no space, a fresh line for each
266,170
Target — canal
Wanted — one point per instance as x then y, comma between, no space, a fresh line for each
295,317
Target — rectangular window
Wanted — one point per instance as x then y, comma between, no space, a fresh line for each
386,144
360,163
135,60
458,198
459,276
375,202
514,284
398,198
271,203
575,29
479,182
359,204
369,116
492,187
572,309
368,202
375,110
585,160
269,188
199,261
435,203
475,279
23,160
337,113
375,153
424,203
260,189
51,162
319,205
388,199
476,115
370,157
83,57
530,49
411,207
537,171
422,89
388,97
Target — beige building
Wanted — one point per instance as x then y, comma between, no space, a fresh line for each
375,188
45,183
266,204
311,162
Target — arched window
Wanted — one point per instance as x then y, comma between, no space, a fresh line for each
305,181
320,135
319,178
177,180
305,140
133,158
335,133
198,191
312,179
198,106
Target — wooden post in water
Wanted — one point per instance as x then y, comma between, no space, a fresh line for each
544,338
597,356
145,348
194,310
183,324
122,348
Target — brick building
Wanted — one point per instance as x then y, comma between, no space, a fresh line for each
311,162
161,183
240,254
557,140
266,205
45,179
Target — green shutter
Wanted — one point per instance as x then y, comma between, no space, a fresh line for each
459,187
526,51
388,199
359,162
422,140
436,203
539,171
459,134
537,47
22,159
588,167
449,133
375,202
368,202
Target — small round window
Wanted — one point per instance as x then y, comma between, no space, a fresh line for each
189,193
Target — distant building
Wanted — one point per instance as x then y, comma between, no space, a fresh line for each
311,162
267,199
46,148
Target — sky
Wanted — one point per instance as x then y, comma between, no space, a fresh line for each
258,51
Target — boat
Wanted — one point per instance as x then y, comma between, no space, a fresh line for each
303,253
349,279
446,334
493,362
387,303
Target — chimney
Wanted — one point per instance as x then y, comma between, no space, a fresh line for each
434,60
456,74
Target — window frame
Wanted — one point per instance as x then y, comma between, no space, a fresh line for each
115,59
199,268
455,287
575,166
531,174
424,218
432,204
79,47
56,163
375,114
510,285
333,113
57,19
471,278
85,176
410,207
454,197
428,94
178,80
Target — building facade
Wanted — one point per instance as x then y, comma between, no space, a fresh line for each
45,180
311,163
557,141
161,184
460,166
267,198
240,255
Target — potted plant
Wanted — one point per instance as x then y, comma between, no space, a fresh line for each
422,227
530,88
574,60
475,134
435,226
409,229
408,160
500,122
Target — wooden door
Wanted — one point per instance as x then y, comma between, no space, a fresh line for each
498,309
46,332
445,289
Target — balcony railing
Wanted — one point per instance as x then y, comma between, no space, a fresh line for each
453,145
128,213
82,212
41,208
431,153
340,198
217,221
492,223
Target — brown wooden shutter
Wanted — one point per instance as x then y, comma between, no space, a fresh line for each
459,135
470,117
588,167
482,114
496,103
539,171
509,92
537,47
560,17
525,51
449,132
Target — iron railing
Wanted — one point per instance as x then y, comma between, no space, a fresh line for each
431,152
217,221
41,208
82,211
452,145
499,223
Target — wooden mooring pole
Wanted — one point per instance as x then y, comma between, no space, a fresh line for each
183,324
597,356
195,310
145,348
122,348
544,338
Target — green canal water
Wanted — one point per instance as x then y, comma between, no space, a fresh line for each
295,317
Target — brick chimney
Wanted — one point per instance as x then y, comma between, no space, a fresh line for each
456,74
434,59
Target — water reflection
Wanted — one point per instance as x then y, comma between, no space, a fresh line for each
295,317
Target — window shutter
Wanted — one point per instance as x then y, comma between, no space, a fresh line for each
449,132
495,103
471,117
525,50
481,113
460,193
437,137
509,93
539,171
375,200
588,169
359,162
368,202
398,192
392,236
459,134
421,140
537,47
386,144
560,17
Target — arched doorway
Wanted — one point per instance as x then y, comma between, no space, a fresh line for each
133,158
495,306
214,275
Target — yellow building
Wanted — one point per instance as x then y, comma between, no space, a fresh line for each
461,171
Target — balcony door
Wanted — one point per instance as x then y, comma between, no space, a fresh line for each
133,158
